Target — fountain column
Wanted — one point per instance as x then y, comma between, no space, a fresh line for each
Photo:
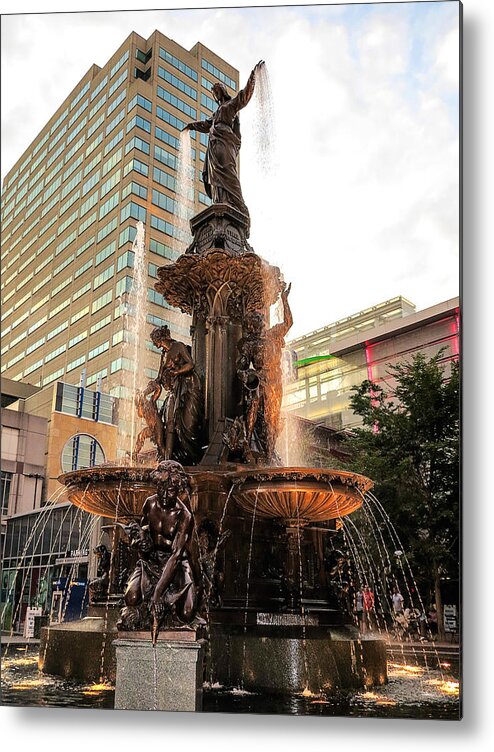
219,280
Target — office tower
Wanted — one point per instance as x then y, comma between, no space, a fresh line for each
105,160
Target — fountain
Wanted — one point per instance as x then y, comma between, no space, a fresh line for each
257,531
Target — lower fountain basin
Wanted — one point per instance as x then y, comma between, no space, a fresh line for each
298,496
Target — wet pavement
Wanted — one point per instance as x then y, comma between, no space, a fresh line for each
413,691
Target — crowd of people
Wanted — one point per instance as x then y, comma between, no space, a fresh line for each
407,622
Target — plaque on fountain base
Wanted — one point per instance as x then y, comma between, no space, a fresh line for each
167,676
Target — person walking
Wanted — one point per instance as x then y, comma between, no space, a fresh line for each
398,602
368,608
359,608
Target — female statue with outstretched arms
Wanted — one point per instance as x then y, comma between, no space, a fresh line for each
220,173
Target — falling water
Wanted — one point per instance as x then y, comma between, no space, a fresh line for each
110,579
155,678
137,300
368,569
42,659
264,123
208,590
385,560
133,306
396,539
38,527
247,587
184,194
302,608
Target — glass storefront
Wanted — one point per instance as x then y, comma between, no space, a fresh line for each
40,549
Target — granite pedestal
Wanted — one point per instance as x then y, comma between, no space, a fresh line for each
168,676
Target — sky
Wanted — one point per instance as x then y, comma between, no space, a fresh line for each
361,202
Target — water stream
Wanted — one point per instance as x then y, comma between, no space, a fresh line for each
184,194
247,585
34,544
110,580
264,121
130,377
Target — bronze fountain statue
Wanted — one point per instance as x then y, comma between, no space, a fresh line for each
220,175
163,583
221,419
181,414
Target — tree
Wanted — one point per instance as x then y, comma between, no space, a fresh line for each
409,446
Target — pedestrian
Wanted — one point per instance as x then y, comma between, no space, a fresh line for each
433,619
368,607
423,626
398,601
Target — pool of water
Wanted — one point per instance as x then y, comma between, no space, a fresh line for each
413,691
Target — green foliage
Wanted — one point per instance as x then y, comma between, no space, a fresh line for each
409,446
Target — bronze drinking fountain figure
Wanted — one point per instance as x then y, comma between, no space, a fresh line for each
225,544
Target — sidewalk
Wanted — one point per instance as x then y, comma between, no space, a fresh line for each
443,647
19,640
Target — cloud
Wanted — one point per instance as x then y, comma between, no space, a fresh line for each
363,202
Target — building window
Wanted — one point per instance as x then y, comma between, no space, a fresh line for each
145,75
165,157
177,102
133,210
134,164
138,122
80,452
210,68
166,138
208,102
163,201
137,143
137,189
86,403
5,483
174,81
141,101
117,83
143,57
178,64
170,119
99,88
119,63
127,236
164,178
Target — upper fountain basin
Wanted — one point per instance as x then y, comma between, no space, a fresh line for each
295,495
298,496
115,491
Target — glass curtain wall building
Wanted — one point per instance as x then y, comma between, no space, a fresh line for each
106,159
323,366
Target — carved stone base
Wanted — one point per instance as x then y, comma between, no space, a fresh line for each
168,676
220,226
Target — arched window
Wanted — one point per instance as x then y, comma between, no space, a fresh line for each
81,451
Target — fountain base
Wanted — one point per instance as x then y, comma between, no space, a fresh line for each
295,660
167,676
80,650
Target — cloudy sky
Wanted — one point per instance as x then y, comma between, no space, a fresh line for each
361,203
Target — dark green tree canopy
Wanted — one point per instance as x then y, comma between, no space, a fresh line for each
409,445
